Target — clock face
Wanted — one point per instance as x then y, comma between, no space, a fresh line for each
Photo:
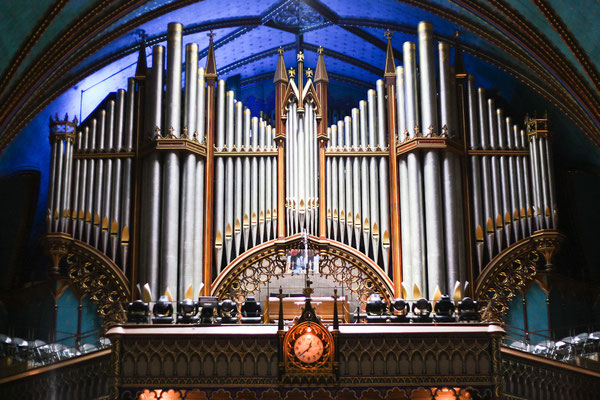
308,348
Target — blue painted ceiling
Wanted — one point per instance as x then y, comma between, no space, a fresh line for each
54,46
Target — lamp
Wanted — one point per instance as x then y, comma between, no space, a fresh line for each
421,310
208,306
251,311
187,312
399,310
228,311
468,310
375,309
162,311
444,309
137,312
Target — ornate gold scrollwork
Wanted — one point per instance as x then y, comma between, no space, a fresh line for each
344,265
93,273
511,271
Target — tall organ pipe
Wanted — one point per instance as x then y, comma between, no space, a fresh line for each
328,166
341,183
451,208
220,176
98,185
171,172
198,280
528,185
229,175
261,183
76,182
334,184
486,172
247,209
512,176
431,161
496,189
188,183
348,176
90,194
522,205
415,180
107,194
268,187
536,182
364,177
504,179
476,187
54,147
83,178
373,174
66,197
150,222
115,212
407,267
551,184
127,171
254,187
239,143
544,183
384,195
357,209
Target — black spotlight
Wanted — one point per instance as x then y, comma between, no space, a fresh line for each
228,311
162,311
375,309
251,311
187,312
399,310
208,305
421,310
444,310
468,310
137,312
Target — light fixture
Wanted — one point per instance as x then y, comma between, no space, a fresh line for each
421,310
187,312
137,312
444,309
251,311
375,309
468,310
399,310
208,305
228,311
162,311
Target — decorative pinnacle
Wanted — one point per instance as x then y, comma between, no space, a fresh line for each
388,34
185,131
320,50
430,131
300,56
280,50
445,131
309,73
211,34
292,72
171,130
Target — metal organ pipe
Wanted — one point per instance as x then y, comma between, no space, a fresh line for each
247,191
107,194
98,180
415,179
431,162
341,183
90,194
254,187
512,177
504,179
384,196
520,174
496,189
239,144
127,178
373,174
334,184
357,209
364,177
529,198
198,278
486,173
115,211
349,188
220,176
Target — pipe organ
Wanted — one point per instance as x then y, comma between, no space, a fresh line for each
174,179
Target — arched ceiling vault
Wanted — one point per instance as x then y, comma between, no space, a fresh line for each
539,42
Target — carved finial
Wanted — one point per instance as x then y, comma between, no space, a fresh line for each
309,73
320,50
280,50
280,74
406,134
195,136
142,68
211,35
157,132
430,134
171,130
300,56
185,132
390,64
445,130
211,65
388,34
292,72
321,71
417,132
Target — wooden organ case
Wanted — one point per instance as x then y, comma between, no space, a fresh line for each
424,188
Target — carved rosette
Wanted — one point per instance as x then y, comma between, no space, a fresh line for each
93,273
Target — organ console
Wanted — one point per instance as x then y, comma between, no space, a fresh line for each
176,181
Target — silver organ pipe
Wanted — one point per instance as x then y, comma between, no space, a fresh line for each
93,174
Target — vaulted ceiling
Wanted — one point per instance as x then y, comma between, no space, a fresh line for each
550,45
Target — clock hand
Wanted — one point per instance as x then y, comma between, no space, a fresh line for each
309,346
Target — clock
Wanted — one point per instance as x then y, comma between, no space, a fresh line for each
308,348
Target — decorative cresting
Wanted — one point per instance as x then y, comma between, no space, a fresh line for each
512,270
92,272
343,264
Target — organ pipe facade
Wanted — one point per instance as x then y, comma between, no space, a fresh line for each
426,176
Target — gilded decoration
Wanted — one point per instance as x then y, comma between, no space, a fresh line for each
338,262
91,272
512,270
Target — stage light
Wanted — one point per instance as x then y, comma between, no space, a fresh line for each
375,309
228,311
187,312
251,311
208,305
137,312
421,310
444,309
162,311
399,310
468,310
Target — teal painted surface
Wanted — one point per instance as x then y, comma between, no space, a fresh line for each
67,317
515,319
537,314
90,321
